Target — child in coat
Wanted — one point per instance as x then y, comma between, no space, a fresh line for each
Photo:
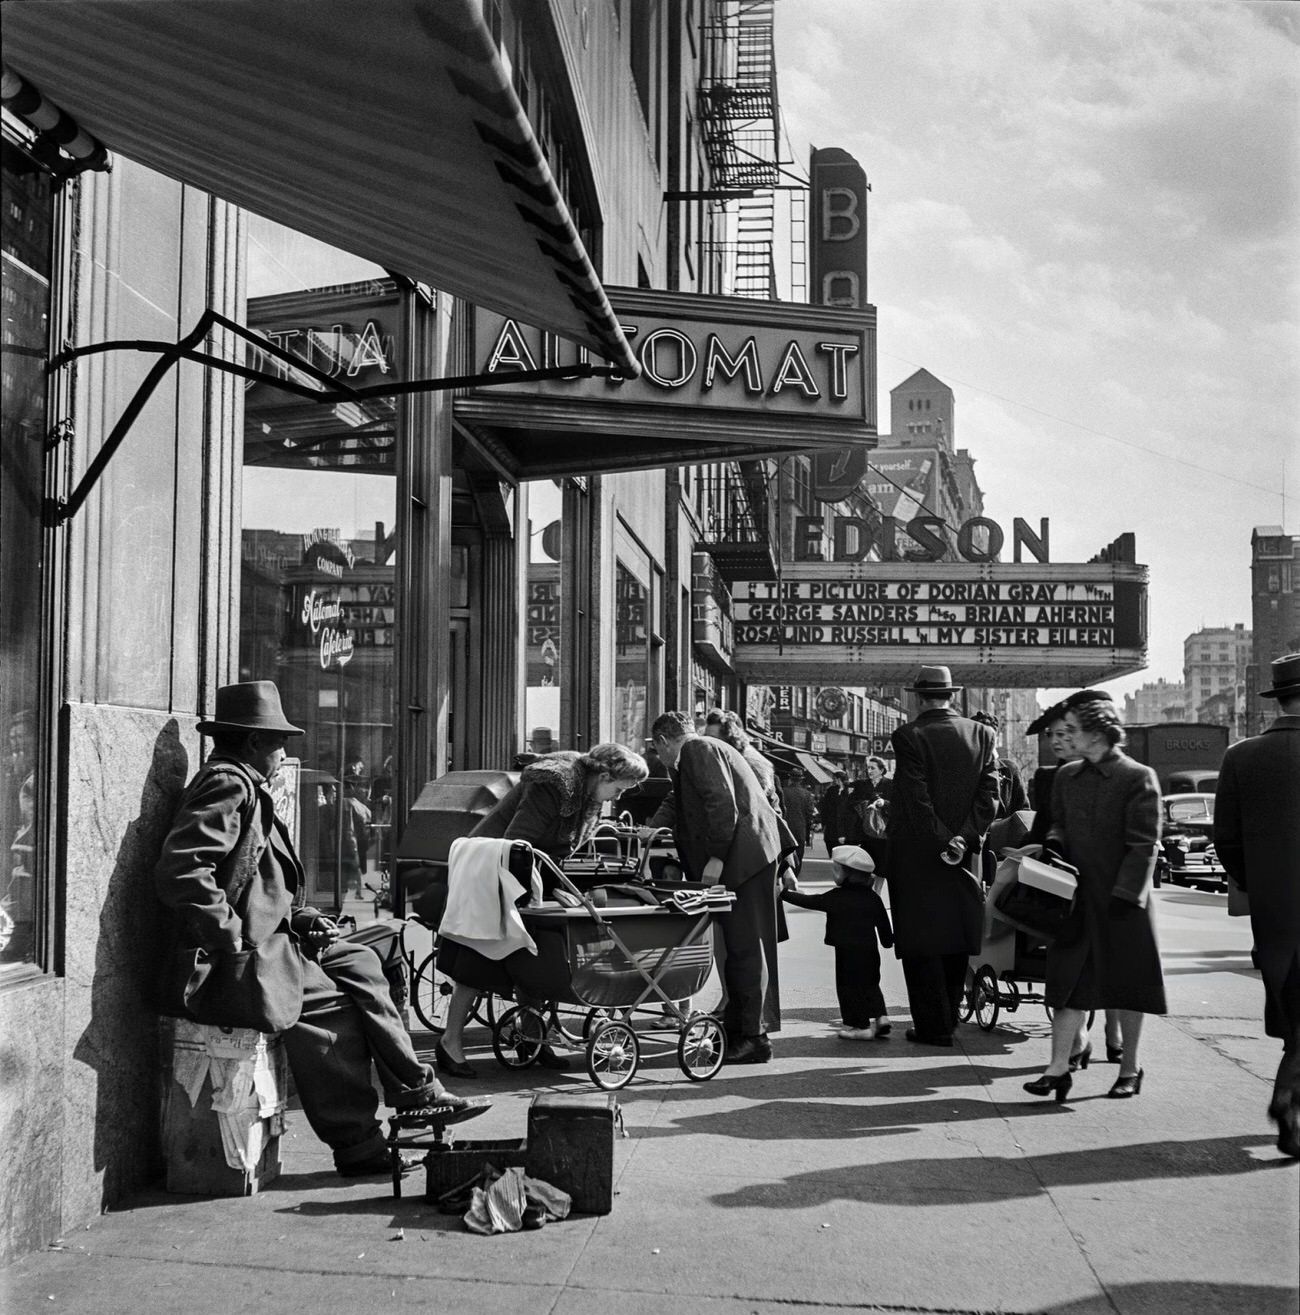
855,918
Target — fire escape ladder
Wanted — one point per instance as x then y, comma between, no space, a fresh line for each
739,119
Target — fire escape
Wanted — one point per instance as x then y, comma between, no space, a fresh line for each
740,123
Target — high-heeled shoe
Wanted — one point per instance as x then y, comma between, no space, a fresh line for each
1080,1058
1127,1085
1047,1084
456,1068
1114,1053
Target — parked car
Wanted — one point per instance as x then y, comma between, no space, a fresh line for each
1187,855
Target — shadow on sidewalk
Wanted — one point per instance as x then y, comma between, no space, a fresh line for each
966,1179
1159,1298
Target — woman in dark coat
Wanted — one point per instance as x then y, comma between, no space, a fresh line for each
1106,822
554,807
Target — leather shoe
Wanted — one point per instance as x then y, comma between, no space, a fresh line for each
379,1164
547,1058
454,1068
443,1109
922,1040
1287,1117
748,1050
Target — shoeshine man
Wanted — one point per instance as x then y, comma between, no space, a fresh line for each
233,882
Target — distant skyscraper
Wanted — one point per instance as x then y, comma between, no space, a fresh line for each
1275,614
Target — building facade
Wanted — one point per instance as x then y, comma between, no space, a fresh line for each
438,577
1157,700
1215,661
1275,615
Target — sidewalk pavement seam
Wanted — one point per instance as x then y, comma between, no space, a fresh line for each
565,1288
1211,1040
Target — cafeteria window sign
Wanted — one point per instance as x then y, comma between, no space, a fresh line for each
1010,624
722,378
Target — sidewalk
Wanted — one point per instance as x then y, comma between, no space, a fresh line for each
842,1176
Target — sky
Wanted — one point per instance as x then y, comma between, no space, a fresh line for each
1084,220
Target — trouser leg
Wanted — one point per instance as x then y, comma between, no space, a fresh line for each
927,994
850,988
954,973
330,1060
1286,1015
749,935
356,971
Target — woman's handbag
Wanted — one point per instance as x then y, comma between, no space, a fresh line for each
259,988
1038,897
874,817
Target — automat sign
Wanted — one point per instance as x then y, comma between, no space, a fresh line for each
1017,624
768,375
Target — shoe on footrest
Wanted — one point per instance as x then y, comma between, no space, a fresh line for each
444,1109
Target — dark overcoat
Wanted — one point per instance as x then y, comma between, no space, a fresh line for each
1257,835
1106,821
197,870
548,806
945,784
720,810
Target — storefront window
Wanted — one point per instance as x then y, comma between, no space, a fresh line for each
25,287
542,617
631,659
318,590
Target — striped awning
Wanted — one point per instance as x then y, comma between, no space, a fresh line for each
389,129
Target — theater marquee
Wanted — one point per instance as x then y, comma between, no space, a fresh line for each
1006,624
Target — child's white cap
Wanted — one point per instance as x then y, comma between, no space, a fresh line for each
853,856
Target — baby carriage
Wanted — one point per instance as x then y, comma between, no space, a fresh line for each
630,950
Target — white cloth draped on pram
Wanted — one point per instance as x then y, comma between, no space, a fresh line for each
482,898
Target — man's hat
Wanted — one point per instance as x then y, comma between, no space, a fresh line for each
252,706
1285,672
935,681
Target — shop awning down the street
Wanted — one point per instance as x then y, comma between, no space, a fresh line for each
389,129
786,758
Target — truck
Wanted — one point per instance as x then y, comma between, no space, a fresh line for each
1186,755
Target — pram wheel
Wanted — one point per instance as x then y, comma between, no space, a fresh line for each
986,998
430,995
967,1008
594,1018
613,1054
518,1037
700,1047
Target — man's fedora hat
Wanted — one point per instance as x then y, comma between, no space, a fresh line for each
1285,672
935,681
252,706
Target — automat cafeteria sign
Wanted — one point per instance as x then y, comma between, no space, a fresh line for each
1013,624
729,369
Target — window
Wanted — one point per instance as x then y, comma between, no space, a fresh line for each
25,270
318,586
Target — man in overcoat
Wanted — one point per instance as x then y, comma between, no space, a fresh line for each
798,809
231,878
726,832
1257,836
945,796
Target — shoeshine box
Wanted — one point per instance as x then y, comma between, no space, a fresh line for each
1043,876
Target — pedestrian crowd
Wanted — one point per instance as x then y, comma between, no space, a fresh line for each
241,932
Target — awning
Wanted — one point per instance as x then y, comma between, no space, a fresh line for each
388,129
819,769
